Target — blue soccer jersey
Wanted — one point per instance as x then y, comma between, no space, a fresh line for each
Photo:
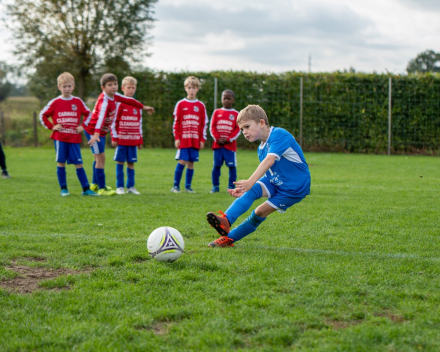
290,172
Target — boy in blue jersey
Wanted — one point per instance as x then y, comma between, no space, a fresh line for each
283,177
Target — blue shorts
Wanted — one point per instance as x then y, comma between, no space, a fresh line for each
97,147
70,152
276,198
126,153
187,154
226,155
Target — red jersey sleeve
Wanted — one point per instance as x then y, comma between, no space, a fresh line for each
204,125
47,113
213,126
177,125
235,132
85,111
129,101
115,123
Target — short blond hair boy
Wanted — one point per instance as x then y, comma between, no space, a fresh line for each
129,80
254,113
64,78
192,81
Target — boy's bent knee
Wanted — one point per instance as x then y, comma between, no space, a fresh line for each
264,210
78,166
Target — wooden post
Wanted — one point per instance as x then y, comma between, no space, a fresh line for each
301,112
35,130
390,94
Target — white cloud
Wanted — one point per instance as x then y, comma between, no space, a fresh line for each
279,35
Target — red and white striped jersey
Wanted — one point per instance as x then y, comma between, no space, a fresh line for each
190,123
127,125
224,125
104,112
66,112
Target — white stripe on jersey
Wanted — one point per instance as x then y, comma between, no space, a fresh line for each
44,110
88,117
102,113
292,156
113,126
210,127
205,136
174,115
140,125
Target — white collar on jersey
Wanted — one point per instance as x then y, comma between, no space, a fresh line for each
191,101
108,96
71,97
262,145
228,109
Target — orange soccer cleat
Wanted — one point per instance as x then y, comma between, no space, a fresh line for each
223,241
220,223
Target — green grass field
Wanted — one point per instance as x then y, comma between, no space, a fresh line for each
353,267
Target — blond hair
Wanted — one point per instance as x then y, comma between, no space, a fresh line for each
192,81
254,113
129,80
64,78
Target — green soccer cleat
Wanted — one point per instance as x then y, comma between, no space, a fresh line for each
89,192
94,187
65,192
106,192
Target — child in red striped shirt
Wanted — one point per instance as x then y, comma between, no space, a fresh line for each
126,132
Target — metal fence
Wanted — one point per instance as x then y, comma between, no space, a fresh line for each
367,114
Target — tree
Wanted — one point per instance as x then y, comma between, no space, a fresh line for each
5,85
79,36
428,61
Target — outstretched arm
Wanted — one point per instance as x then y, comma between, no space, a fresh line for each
246,185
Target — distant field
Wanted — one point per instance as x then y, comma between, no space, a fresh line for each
354,267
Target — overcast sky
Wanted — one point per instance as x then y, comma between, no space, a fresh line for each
279,35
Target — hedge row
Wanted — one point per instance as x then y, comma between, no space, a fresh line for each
341,112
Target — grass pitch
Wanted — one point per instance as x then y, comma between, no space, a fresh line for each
353,267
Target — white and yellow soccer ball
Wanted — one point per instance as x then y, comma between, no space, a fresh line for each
165,244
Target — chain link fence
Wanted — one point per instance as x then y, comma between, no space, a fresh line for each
325,112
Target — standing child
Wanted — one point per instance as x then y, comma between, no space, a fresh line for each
189,129
126,137
225,131
98,124
65,112
5,173
283,177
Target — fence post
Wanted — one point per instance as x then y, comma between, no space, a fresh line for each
390,94
35,130
301,112
215,92
2,117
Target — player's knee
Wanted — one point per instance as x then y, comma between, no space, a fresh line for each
78,166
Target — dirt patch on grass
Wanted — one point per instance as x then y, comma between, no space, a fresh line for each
158,328
393,317
29,278
338,324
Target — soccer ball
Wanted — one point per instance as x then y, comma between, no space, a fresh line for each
165,244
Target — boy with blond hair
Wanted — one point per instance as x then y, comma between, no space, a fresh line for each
283,177
126,131
97,125
189,129
65,112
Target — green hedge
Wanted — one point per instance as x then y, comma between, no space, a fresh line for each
342,112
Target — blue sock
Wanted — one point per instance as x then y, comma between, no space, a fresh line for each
61,173
178,174
82,177
189,177
246,227
119,175
242,204
216,172
232,177
130,177
101,178
95,177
